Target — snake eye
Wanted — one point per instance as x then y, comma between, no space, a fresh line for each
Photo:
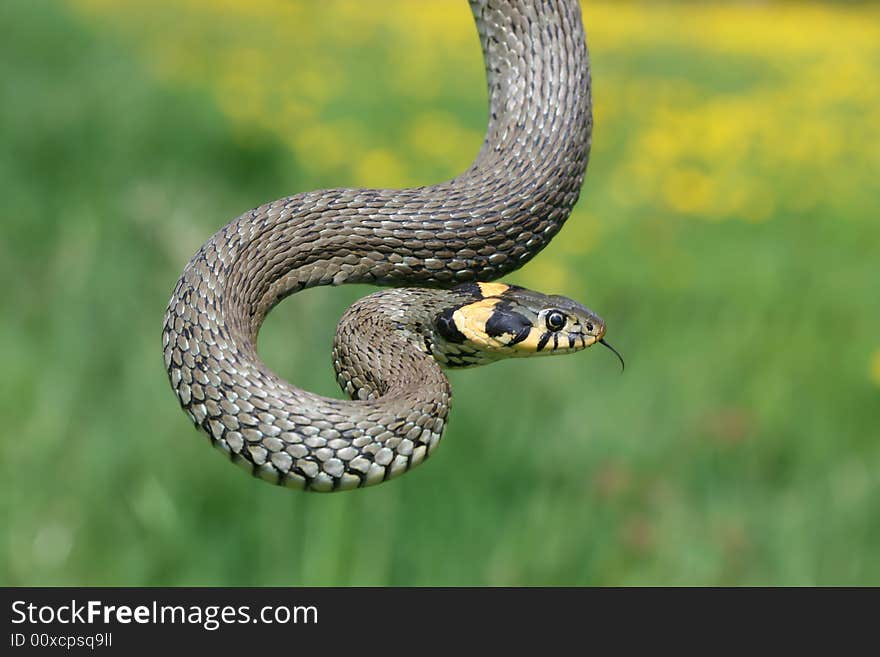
589,326
555,320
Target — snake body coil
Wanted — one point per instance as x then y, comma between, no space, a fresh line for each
486,222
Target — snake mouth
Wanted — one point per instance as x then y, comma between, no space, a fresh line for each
616,353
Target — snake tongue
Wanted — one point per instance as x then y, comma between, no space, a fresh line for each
616,353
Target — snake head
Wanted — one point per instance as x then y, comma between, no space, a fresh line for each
497,321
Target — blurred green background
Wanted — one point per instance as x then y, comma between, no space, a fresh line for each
727,232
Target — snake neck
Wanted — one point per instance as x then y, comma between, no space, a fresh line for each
384,344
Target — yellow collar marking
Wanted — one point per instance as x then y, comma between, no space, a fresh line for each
493,289
471,320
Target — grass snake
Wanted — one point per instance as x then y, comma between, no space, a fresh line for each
437,248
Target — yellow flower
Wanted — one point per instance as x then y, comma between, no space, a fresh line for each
379,168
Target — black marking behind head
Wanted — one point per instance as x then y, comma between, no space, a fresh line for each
471,289
505,321
447,328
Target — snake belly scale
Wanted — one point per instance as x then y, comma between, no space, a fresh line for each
425,242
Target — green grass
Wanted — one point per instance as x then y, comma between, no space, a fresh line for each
741,446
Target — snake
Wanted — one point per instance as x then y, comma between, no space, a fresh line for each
436,253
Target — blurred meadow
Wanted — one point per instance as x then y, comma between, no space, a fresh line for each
727,232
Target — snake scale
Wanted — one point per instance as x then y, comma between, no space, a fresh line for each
437,247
